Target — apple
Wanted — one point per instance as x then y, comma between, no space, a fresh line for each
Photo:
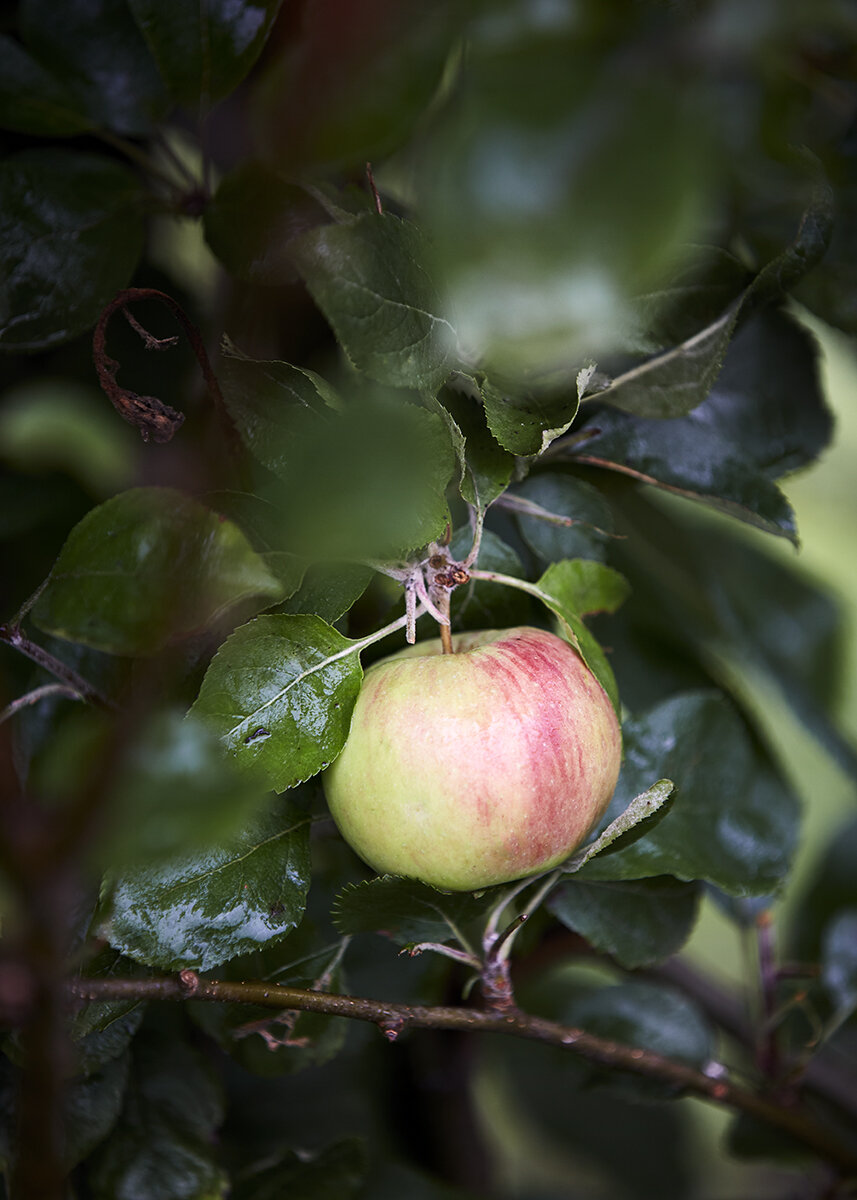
477,767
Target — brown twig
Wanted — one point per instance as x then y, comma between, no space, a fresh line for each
12,636
370,179
399,1017
155,420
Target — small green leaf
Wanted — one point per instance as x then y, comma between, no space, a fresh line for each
71,232
487,466
407,911
368,278
280,692
112,75
335,1173
527,423
733,822
639,812
203,909
92,1104
557,593
145,567
839,963
587,586
638,922
561,517
204,51
162,1146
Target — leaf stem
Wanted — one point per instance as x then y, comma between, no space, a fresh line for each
12,635
512,1021
37,694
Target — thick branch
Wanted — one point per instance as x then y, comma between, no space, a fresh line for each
393,1019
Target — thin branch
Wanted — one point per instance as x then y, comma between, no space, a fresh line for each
12,635
152,417
37,694
370,179
394,1018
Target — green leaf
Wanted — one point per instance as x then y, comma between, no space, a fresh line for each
839,962
368,278
676,381
280,692
487,466
162,1145
204,51
766,416
556,588
275,407
406,911
369,483
329,590
640,816
637,922
175,789
335,1173
271,1044
91,1108
646,1016
561,517
203,909
733,822
71,233
526,423
33,100
588,586
253,218
94,48
145,567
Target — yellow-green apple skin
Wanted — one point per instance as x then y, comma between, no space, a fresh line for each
479,767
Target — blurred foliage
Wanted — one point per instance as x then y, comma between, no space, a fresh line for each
561,301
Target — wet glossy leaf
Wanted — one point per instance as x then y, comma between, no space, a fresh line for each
252,219
71,233
145,567
279,693
839,966
335,1173
203,52
203,909
162,1146
369,279
406,911
32,99
275,407
112,75
562,517
733,822
637,922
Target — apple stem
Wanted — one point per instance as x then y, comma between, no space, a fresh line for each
445,631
